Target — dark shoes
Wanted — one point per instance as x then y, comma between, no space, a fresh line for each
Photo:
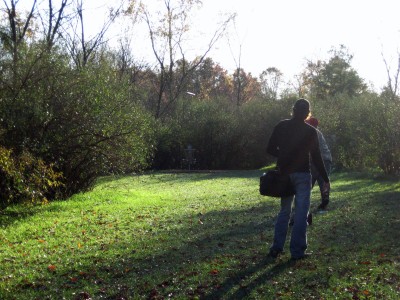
324,201
322,206
306,255
274,253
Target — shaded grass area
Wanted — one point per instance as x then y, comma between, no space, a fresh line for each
200,236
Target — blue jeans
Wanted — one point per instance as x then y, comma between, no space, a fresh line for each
298,239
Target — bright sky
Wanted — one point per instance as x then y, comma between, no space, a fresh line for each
285,33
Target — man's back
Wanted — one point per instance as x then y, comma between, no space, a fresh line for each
292,142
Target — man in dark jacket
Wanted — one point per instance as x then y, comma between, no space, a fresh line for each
294,142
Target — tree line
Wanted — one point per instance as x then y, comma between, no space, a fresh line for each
74,108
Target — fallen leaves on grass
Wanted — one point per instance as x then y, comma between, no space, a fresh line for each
51,268
214,272
366,292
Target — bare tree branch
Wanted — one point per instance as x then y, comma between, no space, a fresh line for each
81,54
17,33
393,81
53,31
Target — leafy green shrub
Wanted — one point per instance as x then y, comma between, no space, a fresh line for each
97,129
87,122
362,131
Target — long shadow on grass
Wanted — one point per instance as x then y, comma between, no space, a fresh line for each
220,233
360,236
366,222
241,241
199,254
176,260
10,216
243,291
365,232
372,217
234,240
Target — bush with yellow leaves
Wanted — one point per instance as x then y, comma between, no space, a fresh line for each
26,179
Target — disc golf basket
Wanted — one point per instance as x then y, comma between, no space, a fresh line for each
189,159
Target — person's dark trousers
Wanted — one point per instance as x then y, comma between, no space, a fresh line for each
317,178
320,180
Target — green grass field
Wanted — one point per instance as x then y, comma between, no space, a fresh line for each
200,236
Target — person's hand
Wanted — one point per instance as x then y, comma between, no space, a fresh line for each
326,187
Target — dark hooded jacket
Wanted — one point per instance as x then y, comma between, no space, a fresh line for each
294,142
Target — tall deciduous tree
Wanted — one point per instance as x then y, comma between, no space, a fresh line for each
210,81
271,80
246,87
168,27
326,79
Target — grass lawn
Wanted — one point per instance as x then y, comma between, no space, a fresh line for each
200,236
